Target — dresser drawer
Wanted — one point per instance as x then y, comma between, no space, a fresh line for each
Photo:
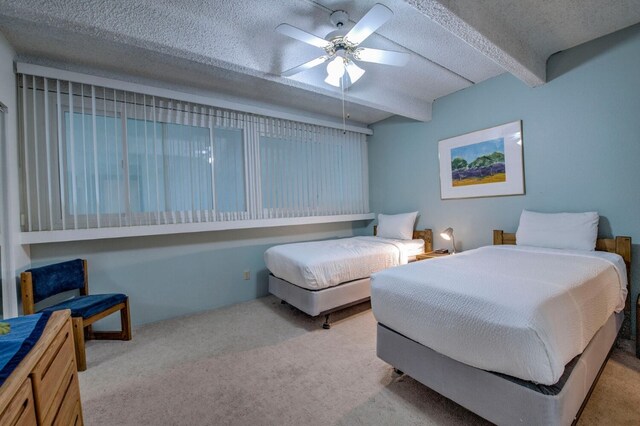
51,371
21,410
69,383
68,413
75,416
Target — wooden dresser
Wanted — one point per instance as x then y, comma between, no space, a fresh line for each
43,389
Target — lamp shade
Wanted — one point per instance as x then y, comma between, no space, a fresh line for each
354,71
335,68
333,80
447,234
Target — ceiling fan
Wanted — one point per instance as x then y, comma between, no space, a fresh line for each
342,47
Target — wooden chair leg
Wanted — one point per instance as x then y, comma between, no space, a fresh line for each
125,321
88,333
78,340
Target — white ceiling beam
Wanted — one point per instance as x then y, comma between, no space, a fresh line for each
488,34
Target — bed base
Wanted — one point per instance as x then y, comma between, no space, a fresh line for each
490,396
328,300
327,315
324,301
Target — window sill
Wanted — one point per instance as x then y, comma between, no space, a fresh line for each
182,228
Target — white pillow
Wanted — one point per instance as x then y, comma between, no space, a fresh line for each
571,231
399,226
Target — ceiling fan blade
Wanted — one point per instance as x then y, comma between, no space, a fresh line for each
307,65
378,15
298,34
377,56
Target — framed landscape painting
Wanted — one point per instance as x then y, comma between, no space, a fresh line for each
486,163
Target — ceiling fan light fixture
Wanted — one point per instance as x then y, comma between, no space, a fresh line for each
333,80
341,46
354,71
335,68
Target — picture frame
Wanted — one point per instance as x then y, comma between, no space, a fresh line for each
484,163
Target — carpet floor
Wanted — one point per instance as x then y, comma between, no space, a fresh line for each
263,363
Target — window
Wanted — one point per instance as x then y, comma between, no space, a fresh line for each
228,153
95,157
169,167
81,192
320,174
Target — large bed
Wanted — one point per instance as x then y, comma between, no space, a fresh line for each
321,277
518,335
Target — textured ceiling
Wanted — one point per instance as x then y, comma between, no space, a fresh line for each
550,26
231,48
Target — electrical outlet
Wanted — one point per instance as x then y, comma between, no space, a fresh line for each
247,275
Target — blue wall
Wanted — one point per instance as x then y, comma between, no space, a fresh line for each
172,275
581,135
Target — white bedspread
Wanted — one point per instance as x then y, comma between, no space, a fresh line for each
521,311
319,264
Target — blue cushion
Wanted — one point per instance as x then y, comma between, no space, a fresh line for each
57,278
88,306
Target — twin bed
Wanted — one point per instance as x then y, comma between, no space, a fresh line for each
518,335
321,277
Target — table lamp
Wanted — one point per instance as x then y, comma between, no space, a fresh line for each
447,234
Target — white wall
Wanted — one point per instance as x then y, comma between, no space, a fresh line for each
14,256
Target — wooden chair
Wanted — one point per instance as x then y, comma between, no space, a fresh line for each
39,284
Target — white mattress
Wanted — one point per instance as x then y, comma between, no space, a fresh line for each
320,264
521,311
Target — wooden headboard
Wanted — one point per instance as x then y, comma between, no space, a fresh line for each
618,245
425,234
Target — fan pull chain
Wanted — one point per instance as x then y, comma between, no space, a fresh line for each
344,117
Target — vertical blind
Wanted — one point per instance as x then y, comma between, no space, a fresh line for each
96,157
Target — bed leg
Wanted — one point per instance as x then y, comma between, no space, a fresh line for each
398,372
326,324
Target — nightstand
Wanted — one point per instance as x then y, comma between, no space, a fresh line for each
431,255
